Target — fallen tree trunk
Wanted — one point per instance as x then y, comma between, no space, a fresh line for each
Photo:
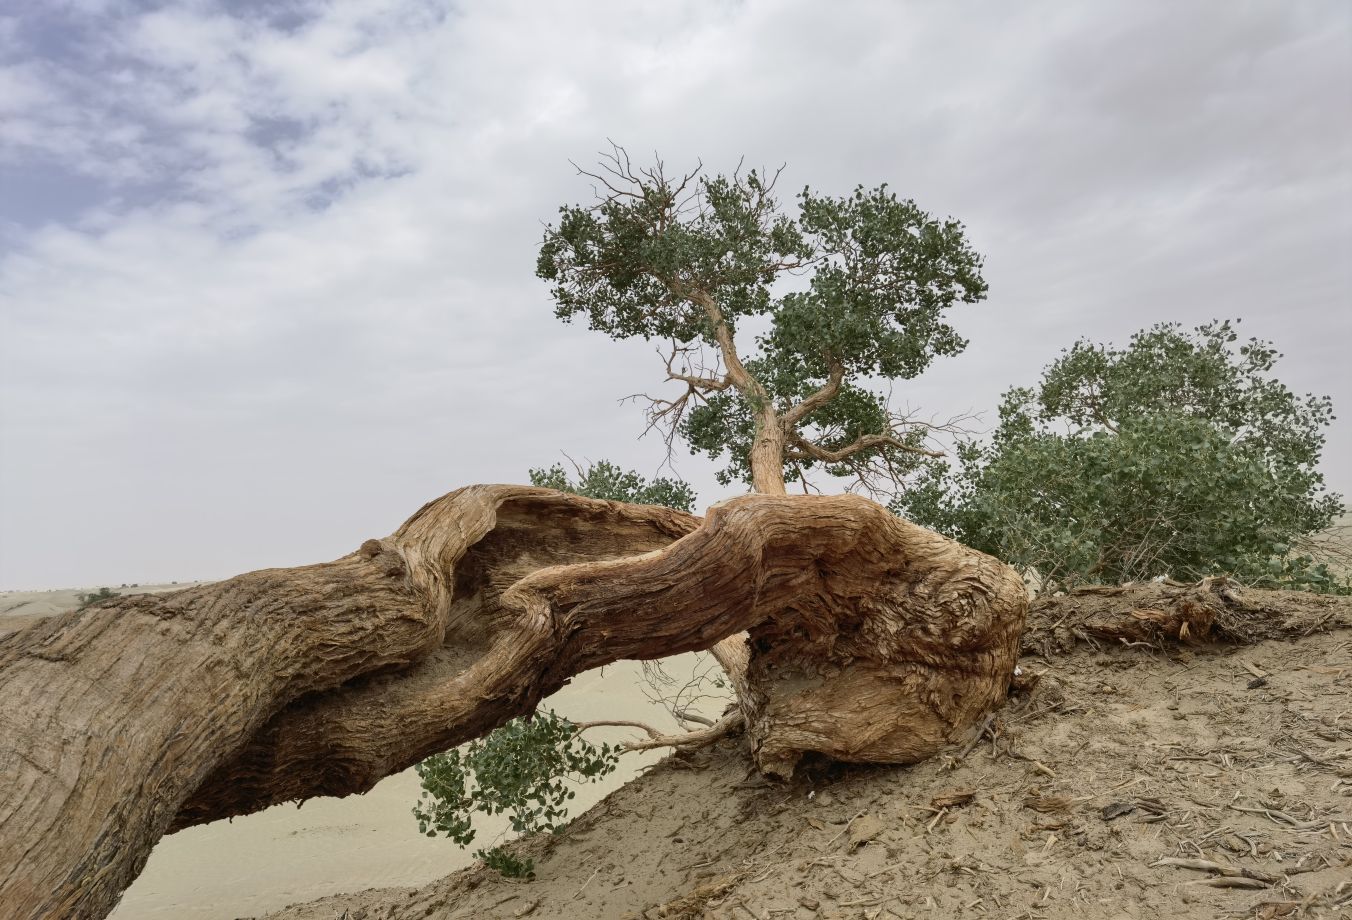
1157,613
870,639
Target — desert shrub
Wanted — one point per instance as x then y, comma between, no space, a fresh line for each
507,864
101,594
1179,454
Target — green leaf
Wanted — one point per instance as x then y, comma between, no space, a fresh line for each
1177,455
523,762
604,479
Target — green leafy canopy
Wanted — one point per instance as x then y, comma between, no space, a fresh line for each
855,286
1179,454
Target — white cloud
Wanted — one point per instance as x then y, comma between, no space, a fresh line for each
299,299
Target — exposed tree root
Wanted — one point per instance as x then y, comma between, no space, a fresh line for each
1212,610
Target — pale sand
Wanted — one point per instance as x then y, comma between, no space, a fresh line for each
20,608
266,861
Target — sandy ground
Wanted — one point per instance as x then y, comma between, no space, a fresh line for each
263,862
1122,786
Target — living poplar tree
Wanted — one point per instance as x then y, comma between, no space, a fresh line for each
850,292
1179,454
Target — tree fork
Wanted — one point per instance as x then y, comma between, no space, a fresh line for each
148,713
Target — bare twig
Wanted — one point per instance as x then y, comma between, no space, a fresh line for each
729,724
686,716
618,723
1206,865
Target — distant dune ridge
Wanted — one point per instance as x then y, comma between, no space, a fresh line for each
20,608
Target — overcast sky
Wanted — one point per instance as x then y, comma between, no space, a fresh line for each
267,269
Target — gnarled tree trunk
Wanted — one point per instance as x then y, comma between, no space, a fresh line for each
870,639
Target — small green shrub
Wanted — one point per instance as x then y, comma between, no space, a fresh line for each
506,863
102,594
522,769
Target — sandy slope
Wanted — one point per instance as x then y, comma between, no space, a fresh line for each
1120,757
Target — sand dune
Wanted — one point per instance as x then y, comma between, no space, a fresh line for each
19,608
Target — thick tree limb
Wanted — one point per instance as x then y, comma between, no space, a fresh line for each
871,639
815,400
275,685
484,673
804,449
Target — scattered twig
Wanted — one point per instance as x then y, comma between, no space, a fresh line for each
1227,881
976,739
578,893
827,844
1280,817
1207,865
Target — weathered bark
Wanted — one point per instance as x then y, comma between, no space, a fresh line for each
159,711
888,641
483,673
1160,613
115,716
767,455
